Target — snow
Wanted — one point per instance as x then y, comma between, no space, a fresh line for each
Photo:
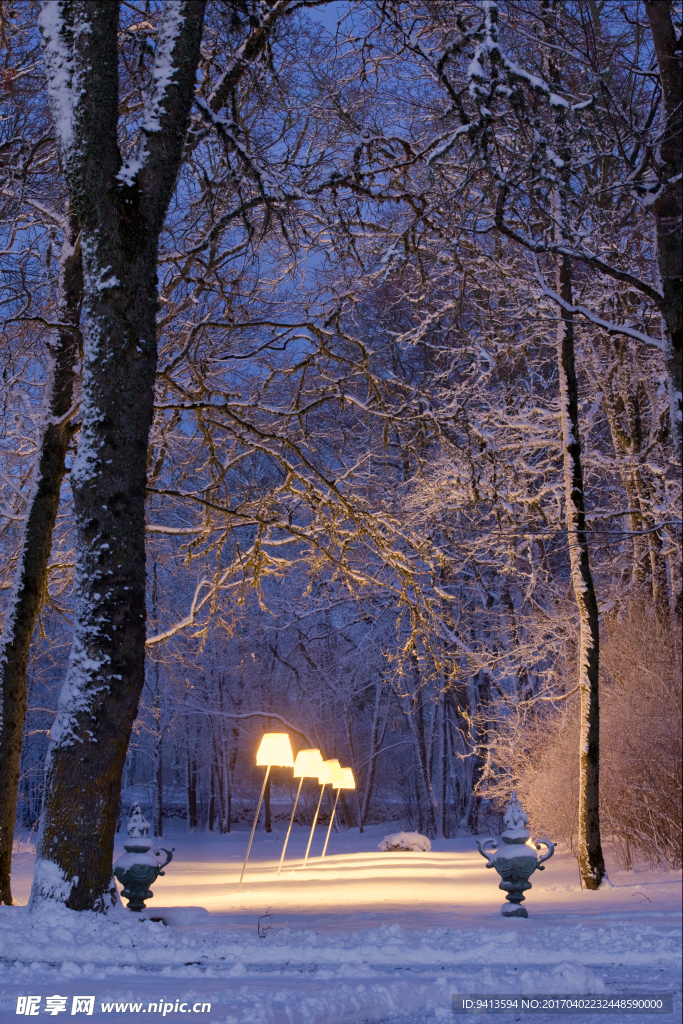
102,285
60,71
50,881
412,841
78,692
163,73
358,936
164,69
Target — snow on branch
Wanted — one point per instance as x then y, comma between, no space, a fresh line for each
607,325
490,45
257,714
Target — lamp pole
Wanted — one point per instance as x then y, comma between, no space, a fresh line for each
284,848
253,827
315,818
327,837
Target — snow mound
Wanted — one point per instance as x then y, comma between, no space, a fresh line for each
177,916
570,977
405,841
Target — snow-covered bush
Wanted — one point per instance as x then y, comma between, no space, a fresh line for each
405,841
640,748
24,845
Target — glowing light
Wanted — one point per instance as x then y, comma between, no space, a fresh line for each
308,764
342,779
276,750
345,779
328,770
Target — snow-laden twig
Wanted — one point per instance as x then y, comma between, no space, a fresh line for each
607,325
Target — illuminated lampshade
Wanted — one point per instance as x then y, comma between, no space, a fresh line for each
308,764
344,779
275,749
328,770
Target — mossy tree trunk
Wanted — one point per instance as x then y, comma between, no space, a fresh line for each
121,208
31,579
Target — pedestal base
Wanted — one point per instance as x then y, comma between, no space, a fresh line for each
513,910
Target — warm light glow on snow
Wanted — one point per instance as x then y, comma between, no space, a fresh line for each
308,764
275,750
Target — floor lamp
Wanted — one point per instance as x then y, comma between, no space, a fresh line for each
307,765
343,780
328,770
275,750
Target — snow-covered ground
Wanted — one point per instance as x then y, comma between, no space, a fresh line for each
360,936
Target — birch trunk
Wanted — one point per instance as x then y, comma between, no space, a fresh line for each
121,209
31,579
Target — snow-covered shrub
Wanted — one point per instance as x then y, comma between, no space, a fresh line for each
405,841
24,845
640,748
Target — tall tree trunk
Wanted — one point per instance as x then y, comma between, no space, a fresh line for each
211,818
159,782
649,565
427,804
23,607
31,579
591,860
667,204
479,693
158,827
441,763
192,817
226,794
348,818
121,209
354,766
376,738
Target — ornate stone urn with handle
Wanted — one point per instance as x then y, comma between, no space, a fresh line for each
137,868
517,859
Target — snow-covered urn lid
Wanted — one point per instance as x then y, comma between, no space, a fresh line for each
137,829
515,821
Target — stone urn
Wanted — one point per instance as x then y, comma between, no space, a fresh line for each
517,859
137,868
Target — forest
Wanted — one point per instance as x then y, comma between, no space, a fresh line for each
341,395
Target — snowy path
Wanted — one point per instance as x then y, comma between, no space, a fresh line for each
358,937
